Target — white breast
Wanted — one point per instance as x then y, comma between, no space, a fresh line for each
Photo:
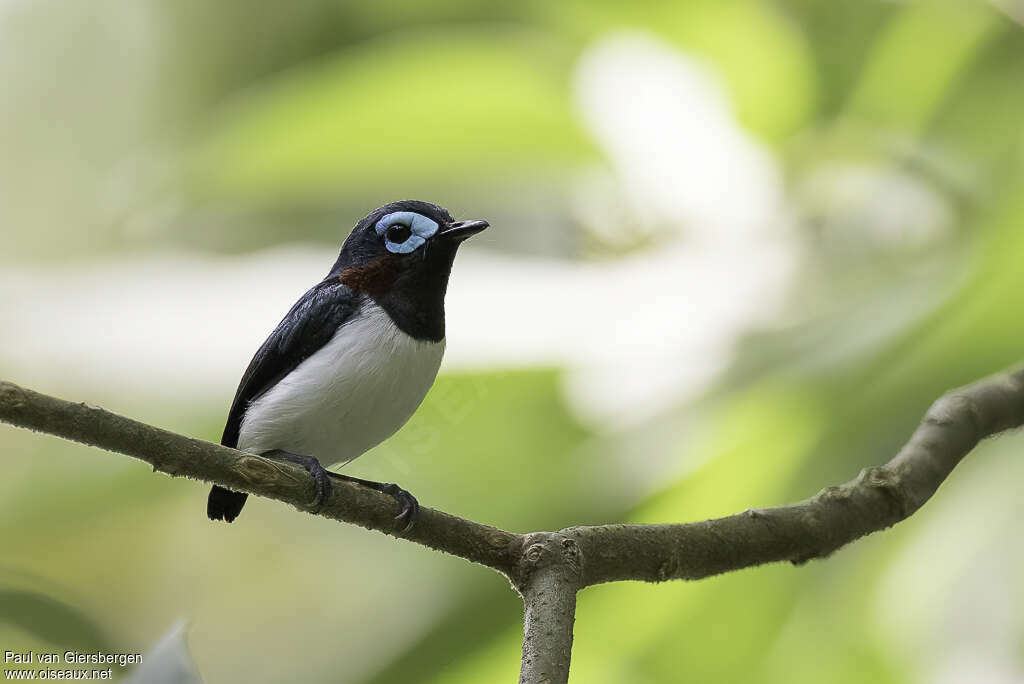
349,396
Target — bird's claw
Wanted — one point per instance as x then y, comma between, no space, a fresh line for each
322,484
321,476
410,507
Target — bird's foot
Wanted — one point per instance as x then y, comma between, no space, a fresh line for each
321,476
409,507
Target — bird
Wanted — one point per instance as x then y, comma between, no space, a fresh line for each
354,357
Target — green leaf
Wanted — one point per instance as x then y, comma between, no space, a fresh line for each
906,76
440,106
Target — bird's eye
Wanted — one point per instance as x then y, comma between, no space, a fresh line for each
398,233
405,231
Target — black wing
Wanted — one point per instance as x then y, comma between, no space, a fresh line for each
306,328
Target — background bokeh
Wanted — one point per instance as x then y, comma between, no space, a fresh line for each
737,248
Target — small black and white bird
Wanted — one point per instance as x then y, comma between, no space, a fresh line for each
351,361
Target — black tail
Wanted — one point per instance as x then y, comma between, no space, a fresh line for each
224,504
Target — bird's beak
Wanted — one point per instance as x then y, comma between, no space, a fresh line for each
460,230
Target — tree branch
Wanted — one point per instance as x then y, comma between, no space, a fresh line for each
194,458
548,568
879,498
550,577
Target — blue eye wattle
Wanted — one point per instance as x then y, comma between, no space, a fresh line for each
405,231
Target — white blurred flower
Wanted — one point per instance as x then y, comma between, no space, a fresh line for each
668,130
658,327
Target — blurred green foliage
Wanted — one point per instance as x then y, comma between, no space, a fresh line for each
295,136
287,116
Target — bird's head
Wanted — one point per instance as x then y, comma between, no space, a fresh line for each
401,255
